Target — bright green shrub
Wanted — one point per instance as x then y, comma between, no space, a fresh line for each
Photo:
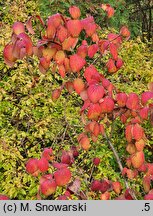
138,67
30,121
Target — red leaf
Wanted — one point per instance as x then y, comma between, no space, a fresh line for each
111,66
67,158
115,38
89,19
125,32
74,27
48,187
62,33
110,12
105,83
94,111
130,148
75,12
76,63
90,127
138,132
96,129
59,165
85,105
29,25
92,49
102,129
67,64
55,20
3,197
61,70
78,85
148,197
91,74
140,144
82,51
84,95
107,105
137,159
56,94
96,161
90,29
105,196
45,177
69,43
144,113
146,96
105,185
146,183
119,63
8,55
18,27
95,92
48,53
51,30
121,99
133,101
32,166
25,42
113,51
43,164
69,86
150,169
129,132
85,143
60,57
95,38
104,45
96,185
44,65
128,194
117,187
47,153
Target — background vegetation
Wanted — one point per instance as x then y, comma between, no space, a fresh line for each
30,120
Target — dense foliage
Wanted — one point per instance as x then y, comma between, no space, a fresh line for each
32,121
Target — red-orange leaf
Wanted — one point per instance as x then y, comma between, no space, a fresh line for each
18,27
95,92
94,111
121,99
78,85
146,96
113,51
76,63
75,12
137,159
74,27
137,132
92,49
133,101
62,33
107,105
91,74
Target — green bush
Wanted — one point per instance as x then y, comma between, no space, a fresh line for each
30,120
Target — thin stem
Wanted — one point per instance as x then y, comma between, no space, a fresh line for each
92,170
120,165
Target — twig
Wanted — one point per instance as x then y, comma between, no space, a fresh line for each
92,170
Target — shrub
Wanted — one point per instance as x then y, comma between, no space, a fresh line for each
104,112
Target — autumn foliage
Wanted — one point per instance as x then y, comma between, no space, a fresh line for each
72,45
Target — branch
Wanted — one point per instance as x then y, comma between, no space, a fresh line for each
120,165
